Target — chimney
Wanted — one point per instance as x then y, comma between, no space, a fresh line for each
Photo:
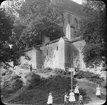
45,40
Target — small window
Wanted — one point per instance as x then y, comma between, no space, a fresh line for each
47,51
76,23
57,48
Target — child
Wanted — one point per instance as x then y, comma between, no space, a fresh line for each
31,68
76,91
98,91
65,99
72,97
50,99
81,99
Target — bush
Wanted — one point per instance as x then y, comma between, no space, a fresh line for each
10,83
60,72
34,80
90,76
17,85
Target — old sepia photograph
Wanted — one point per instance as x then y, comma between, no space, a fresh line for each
53,52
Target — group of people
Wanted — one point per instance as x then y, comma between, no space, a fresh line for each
69,99
73,96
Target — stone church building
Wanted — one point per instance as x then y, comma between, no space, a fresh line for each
64,52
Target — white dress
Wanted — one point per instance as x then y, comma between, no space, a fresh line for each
50,99
71,97
76,90
98,91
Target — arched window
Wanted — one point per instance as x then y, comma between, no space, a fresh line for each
47,51
57,48
76,24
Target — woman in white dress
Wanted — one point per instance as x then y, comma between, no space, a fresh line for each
50,99
98,91
72,97
76,91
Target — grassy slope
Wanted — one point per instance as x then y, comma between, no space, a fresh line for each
39,89
90,88
37,92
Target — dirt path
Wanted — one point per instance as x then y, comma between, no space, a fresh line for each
90,88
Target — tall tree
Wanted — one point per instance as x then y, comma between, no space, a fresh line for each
41,19
93,29
8,49
5,34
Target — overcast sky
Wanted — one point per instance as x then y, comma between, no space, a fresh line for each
78,1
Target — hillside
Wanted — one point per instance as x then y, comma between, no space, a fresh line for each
37,91
90,88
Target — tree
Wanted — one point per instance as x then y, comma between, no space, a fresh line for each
36,19
8,49
40,19
5,34
93,29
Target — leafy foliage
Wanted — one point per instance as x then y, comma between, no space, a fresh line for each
36,19
5,34
10,82
40,19
93,29
90,76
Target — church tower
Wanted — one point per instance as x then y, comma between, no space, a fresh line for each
70,25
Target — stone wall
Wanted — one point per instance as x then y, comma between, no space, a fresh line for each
73,21
50,55
80,45
70,54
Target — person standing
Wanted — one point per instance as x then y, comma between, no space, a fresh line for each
98,91
81,99
76,91
72,98
50,99
31,68
65,99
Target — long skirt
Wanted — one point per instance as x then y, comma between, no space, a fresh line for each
77,96
72,103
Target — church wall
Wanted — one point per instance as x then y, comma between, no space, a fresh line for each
39,58
74,23
70,54
50,55
80,45
73,20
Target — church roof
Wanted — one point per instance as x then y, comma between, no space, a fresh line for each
65,39
73,40
54,41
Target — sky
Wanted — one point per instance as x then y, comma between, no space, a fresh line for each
78,1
